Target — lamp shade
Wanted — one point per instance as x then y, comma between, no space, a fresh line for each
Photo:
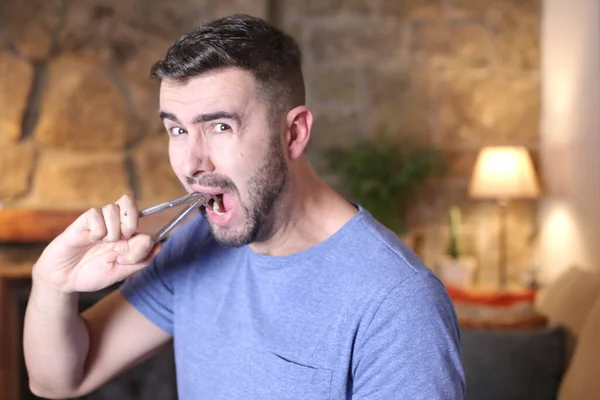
504,172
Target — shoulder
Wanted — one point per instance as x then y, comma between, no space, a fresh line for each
380,258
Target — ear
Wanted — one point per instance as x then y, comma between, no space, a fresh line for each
299,124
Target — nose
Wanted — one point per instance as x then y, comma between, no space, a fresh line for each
196,156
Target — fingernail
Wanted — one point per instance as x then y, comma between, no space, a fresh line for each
121,260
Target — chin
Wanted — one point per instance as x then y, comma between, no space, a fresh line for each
230,239
230,235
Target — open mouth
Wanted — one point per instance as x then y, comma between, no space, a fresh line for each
215,203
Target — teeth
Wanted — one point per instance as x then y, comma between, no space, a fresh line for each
216,206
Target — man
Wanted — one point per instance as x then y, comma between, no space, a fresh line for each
280,290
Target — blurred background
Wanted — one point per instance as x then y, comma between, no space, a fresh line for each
470,127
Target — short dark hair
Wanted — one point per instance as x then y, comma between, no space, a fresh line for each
244,42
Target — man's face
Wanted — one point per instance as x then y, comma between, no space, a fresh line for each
222,142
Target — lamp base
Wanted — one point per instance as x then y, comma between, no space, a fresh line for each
502,245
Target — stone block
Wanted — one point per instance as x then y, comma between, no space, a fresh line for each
356,42
328,8
82,108
103,28
334,85
295,29
333,128
16,166
400,101
488,111
16,80
67,180
222,8
516,43
451,44
469,9
413,9
460,162
155,178
31,25
145,102
88,28
136,33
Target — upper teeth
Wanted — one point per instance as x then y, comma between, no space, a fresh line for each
216,205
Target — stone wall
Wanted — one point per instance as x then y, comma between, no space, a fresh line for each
78,123
461,73
78,115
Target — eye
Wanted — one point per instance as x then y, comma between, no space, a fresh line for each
221,127
176,131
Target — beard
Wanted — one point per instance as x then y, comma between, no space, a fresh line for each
265,189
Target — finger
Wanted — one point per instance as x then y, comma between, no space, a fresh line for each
128,215
138,248
126,270
112,220
87,228
95,224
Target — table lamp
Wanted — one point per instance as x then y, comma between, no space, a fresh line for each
503,173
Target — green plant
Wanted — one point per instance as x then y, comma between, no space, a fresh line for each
383,175
454,239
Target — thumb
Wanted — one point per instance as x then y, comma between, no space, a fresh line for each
125,270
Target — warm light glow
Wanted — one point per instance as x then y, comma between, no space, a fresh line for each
504,172
561,240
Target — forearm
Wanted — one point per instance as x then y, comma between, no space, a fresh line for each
55,340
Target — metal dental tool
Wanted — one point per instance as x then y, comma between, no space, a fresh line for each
194,199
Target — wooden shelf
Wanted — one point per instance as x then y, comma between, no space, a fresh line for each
33,226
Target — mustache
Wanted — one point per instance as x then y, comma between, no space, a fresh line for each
212,181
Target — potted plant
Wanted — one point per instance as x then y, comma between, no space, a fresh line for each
455,268
383,175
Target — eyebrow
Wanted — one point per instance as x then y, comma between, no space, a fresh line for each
204,117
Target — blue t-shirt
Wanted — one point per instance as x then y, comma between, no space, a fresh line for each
357,316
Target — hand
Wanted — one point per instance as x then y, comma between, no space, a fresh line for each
98,249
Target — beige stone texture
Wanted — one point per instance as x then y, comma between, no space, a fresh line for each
16,166
16,80
67,180
470,9
460,162
332,128
517,39
82,109
451,44
461,73
488,111
415,9
334,85
222,8
104,28
155,177
144,98
356,42
328,8
400,101
31,25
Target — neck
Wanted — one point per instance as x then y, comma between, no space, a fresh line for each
309,212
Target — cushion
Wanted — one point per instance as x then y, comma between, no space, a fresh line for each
569,298
513,364
582,380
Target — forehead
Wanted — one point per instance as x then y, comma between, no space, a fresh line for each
221,89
